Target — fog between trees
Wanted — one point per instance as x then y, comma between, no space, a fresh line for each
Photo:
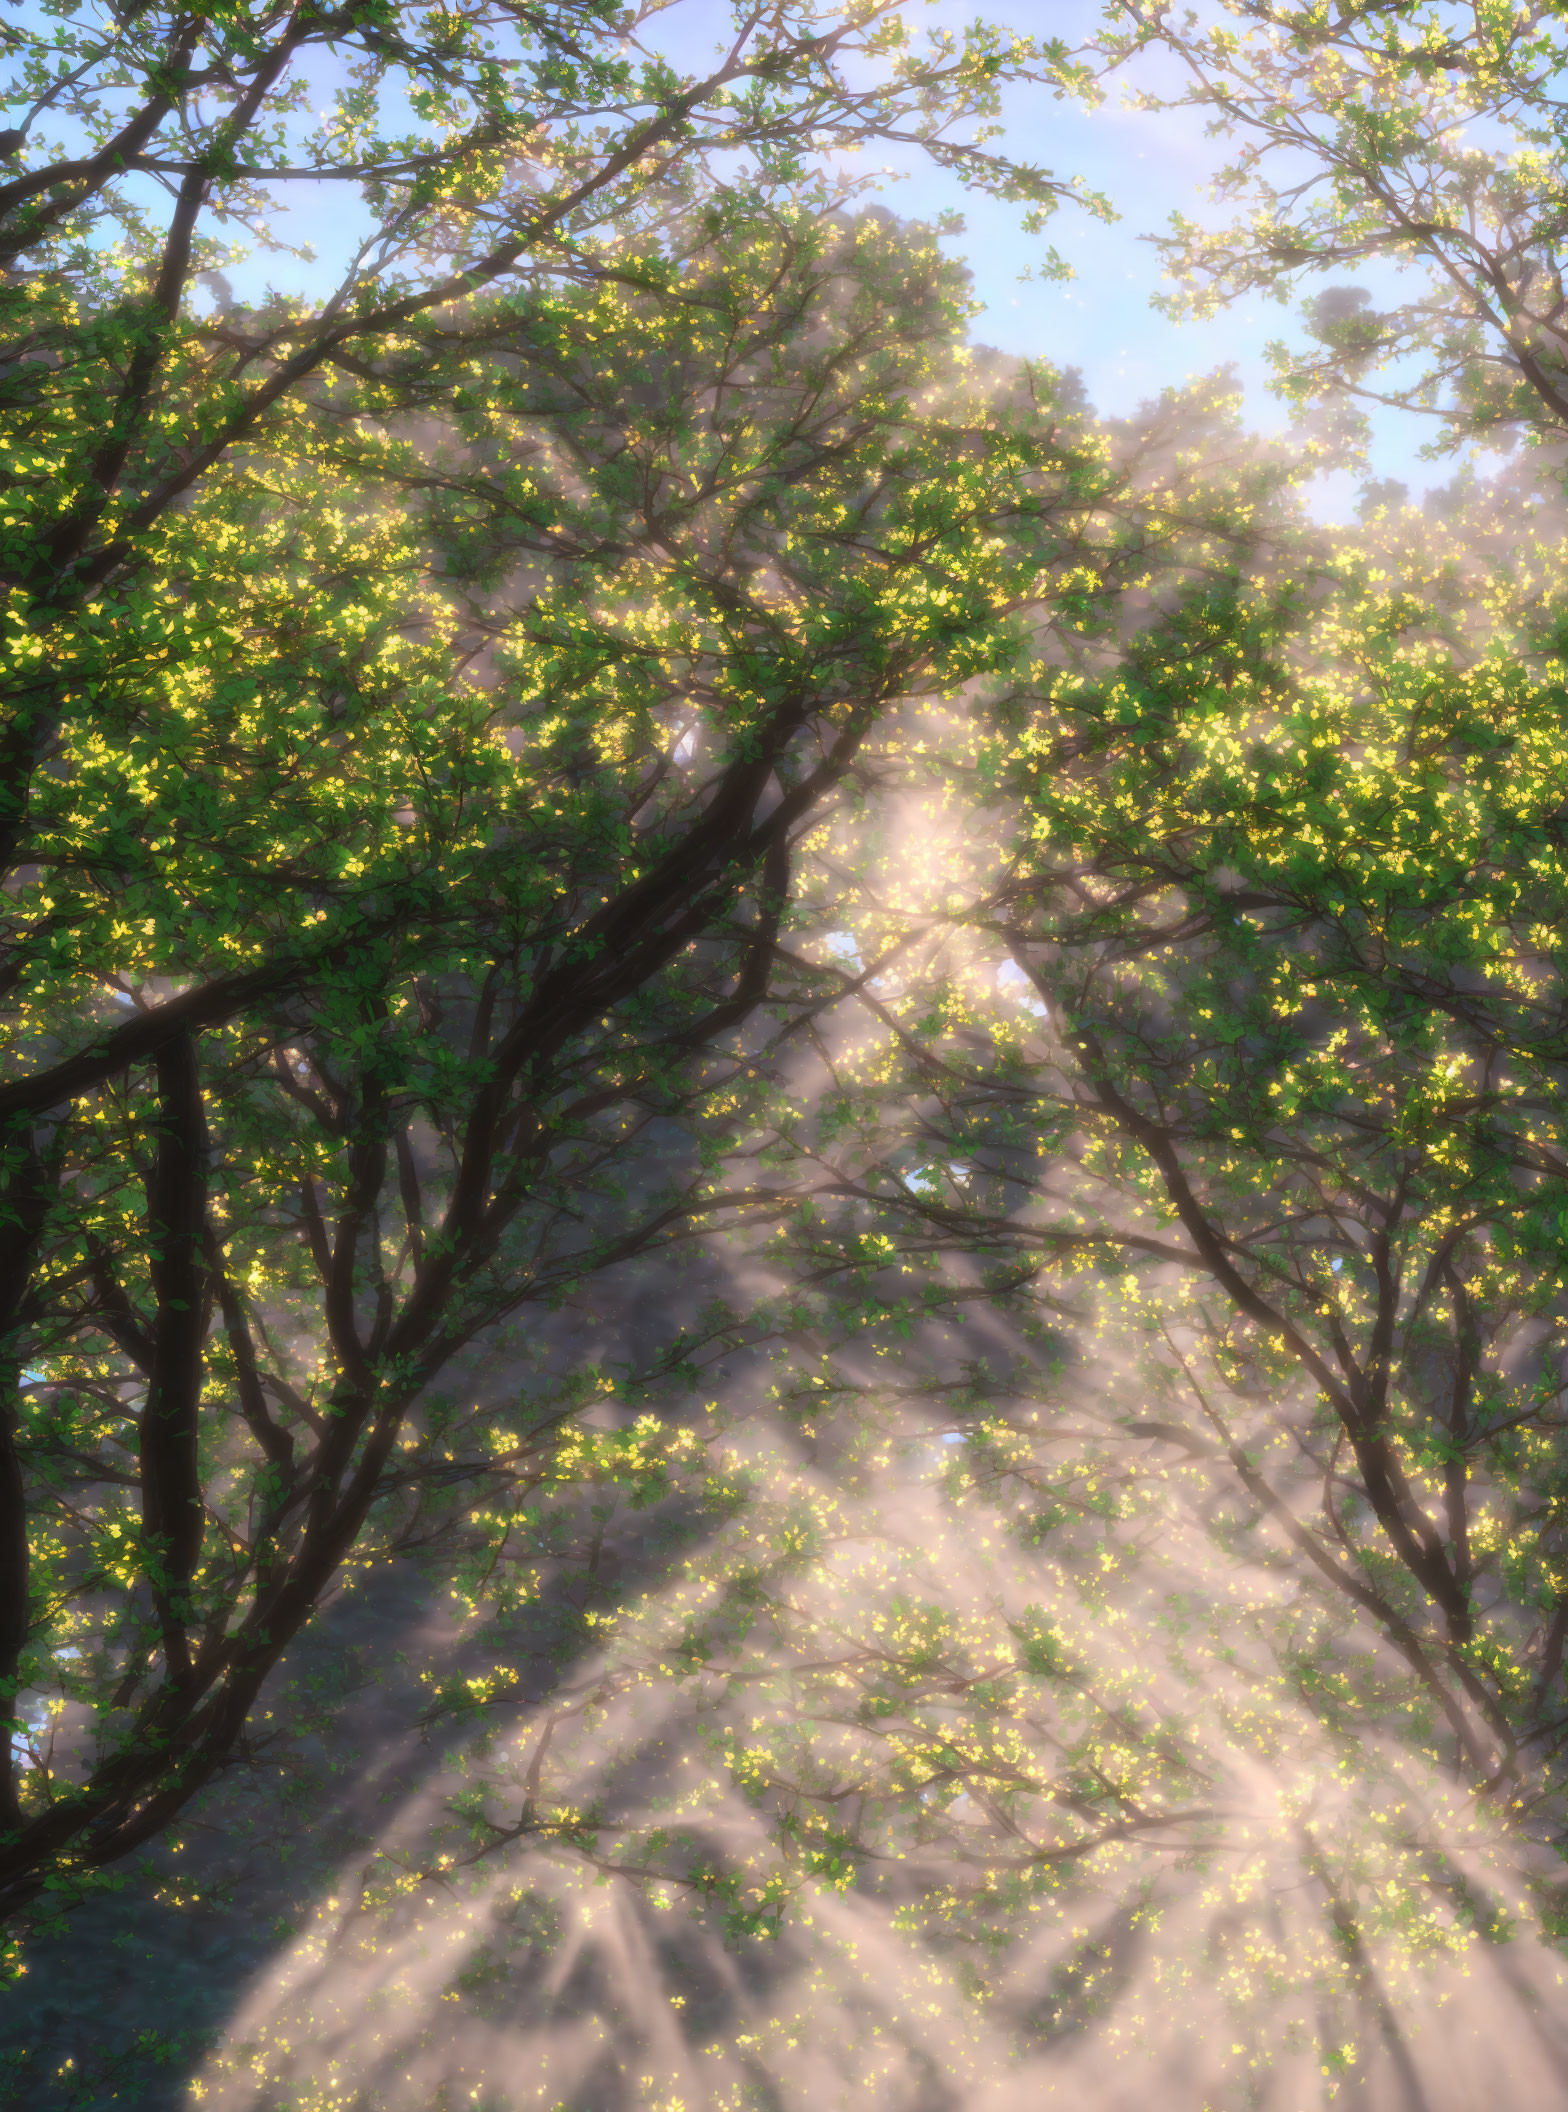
784,1209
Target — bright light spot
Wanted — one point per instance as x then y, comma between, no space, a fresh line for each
1014,983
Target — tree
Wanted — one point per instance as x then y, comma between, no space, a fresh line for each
1263,1126
463,941
246,788
1391,141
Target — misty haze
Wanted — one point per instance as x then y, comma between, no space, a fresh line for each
783,1057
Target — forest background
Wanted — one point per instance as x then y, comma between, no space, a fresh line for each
783,1235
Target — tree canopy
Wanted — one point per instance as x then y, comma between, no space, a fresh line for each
873,1065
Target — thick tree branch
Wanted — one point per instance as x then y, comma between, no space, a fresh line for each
172,1505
